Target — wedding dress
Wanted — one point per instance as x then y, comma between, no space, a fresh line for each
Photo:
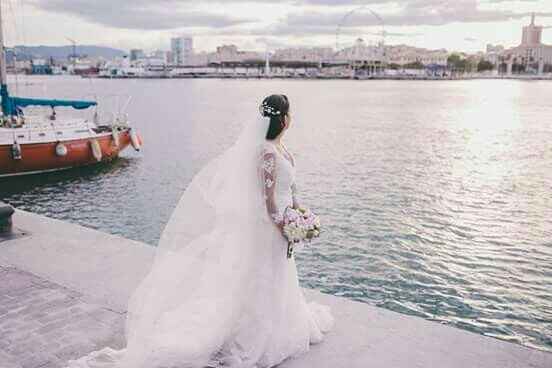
221,291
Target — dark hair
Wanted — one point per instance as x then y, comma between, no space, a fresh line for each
275,107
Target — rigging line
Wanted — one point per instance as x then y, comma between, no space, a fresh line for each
23,33
23,16
17,26
93,87
16,38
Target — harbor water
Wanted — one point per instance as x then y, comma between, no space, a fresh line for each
435,196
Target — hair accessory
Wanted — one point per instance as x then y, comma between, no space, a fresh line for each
266,109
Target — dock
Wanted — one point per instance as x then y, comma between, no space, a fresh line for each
64,290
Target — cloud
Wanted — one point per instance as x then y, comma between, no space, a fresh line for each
360,3
412,13
140,14
277,21
511,1
348,2
272,43
174,14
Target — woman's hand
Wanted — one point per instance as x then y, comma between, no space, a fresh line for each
280,227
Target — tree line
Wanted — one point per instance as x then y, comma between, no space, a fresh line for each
459,63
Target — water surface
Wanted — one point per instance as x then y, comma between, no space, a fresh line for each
436,196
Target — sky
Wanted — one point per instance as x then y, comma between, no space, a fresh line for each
456,25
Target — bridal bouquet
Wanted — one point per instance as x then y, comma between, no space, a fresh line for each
300,225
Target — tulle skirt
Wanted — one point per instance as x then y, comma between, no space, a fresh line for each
209,305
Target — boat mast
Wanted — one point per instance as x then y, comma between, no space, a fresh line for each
3,79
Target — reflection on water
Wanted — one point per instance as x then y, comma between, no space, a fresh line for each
435,196
73,194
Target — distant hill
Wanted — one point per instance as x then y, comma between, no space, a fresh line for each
63,52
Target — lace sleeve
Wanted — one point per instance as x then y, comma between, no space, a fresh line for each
269,183
293,186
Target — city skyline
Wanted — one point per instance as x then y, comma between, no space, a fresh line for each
462,25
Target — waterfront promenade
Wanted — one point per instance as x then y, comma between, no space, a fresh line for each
314,76
64,289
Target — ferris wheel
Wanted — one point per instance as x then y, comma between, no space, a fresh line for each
363,11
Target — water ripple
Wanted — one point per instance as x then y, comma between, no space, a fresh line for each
436,202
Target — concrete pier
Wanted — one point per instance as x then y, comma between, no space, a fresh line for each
64,290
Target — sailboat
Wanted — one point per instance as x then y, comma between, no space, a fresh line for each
32,144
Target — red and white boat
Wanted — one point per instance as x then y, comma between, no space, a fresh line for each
37,145
31,144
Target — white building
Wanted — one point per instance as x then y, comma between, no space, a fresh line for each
531,55
182,49
494,48
493,54
532,34
313,54
230,53
121,67
22,64
223,54
200,59
360,51
40,61
160,55
403,55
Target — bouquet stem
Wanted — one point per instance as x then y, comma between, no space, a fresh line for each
290,250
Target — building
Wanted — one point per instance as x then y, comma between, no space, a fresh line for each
182,50
407,55
201,59
169,57
159,55
40,66
230,53
532,34
493,54
136,54
494,48
313,54
361,51
531,56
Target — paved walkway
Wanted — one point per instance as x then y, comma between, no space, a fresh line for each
43,324
64,291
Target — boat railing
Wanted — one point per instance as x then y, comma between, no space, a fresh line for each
111,109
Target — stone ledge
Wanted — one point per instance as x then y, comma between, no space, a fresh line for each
102,270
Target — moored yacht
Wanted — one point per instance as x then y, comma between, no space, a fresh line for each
35,143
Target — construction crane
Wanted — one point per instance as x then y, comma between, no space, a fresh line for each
74,53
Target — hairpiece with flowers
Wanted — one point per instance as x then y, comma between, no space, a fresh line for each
267,110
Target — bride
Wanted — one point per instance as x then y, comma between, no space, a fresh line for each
221,291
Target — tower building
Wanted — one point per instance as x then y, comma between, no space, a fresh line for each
532,34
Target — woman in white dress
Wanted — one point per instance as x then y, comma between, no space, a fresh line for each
221,291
